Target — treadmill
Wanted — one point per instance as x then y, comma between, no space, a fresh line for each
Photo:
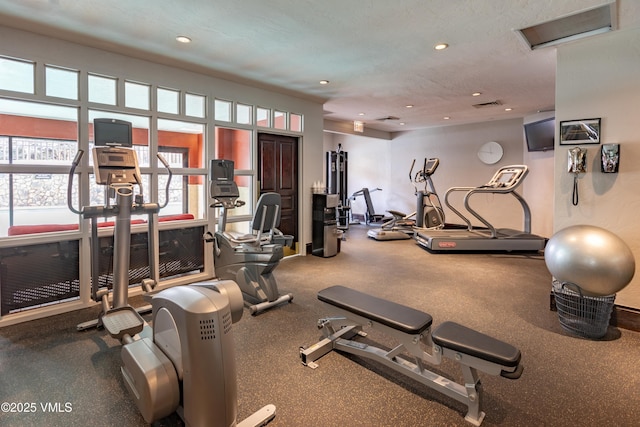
488,238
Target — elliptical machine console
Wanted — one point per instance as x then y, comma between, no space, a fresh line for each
186,362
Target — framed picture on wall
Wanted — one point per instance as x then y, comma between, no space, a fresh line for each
575,132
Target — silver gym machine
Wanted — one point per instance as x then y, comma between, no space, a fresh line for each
247,259
488,238
186,362
337,174
428,214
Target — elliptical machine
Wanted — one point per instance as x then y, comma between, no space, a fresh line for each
428,214
248,259
186,362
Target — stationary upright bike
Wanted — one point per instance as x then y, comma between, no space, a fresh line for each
186,362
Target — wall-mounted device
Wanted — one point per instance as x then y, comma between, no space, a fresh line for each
540,136
577,160
577,164
610,156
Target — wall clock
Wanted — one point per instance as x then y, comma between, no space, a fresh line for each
490,153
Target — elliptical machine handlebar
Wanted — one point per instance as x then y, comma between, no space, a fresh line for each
166,188
411,170
72,171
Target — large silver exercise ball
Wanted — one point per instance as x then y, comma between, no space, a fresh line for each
593,258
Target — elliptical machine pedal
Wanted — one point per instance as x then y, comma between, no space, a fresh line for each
123,321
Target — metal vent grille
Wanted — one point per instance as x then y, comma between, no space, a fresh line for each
487,104
207,329
226,322
598,20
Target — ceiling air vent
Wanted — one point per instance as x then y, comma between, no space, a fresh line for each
382,119
571,27
487,104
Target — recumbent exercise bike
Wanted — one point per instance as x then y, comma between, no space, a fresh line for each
247,259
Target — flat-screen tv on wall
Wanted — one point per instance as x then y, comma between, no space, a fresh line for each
540,136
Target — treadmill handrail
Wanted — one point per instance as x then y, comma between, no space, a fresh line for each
457,212
495,186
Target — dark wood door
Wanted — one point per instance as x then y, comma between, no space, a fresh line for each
278,172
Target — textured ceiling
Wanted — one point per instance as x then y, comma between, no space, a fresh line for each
377,54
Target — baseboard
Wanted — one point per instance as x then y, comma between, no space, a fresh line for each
621,317
626,318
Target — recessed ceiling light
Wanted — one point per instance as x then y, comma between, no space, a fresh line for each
409,106
508,109
441,46
401,123
361,114
476,94
446,117
183,39
324,82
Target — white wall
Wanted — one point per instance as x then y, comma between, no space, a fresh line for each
539,193
598,77
386,164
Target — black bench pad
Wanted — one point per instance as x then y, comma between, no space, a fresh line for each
464,340
391,314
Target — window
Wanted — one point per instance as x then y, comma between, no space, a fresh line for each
194,105
61,83
168,101
279,120
182,145
223,110
35,134
4,150
243,114
41,151
295,122
17,75
263,117
102,89
234,144
5,203
136,95
245,187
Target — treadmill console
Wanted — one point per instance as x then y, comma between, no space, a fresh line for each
508,177
116,165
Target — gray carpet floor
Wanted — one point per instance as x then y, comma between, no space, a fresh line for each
73,378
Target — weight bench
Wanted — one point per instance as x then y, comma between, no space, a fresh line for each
411,328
